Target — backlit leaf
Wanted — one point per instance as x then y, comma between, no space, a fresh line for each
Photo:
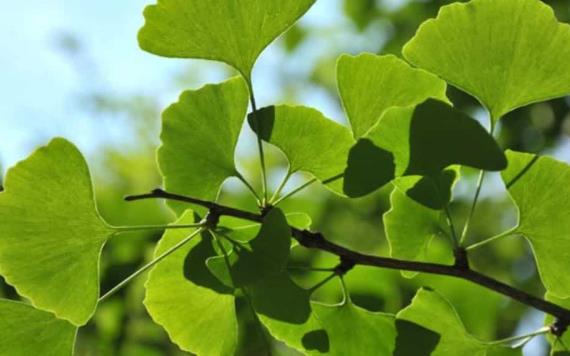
507,53
51,234
199,136
230,31
311,142
26,331
371,84
430,310
539,187
197,318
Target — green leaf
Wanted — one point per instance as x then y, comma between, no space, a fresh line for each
376,331
369,85
311,142
199,137
29,331
507,53
51,234
430,310
196,318
410,226
265,255
423,140
558,345
230,31
539,187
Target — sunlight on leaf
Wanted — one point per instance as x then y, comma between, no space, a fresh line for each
51,234
431,311
234,32
369,85
507,53
539,187
26,331
196,318
199,137
311,142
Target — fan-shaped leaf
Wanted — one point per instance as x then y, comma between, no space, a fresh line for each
430,310
199,136
27,331
51,235
197,318
230,31
423,140
311,142
506,53
371,84
539,187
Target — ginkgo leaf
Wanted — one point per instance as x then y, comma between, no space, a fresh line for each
230,31
265,255
369,85
506,53
423,140
431,311
28,331
197,318
199,137
311,142
376,331
539,187
51,234
410,226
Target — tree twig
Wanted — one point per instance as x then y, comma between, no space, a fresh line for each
315,240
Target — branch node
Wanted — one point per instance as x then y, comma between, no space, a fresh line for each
461,259
345,265
212,218
266,209
559,327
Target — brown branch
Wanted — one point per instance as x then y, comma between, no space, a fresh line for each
315,240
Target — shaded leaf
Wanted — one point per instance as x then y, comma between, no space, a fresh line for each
28,331
539,188
267,254
424,140
230,31
196,318
311,142
199,137
431,311
370,84
51,234
506,53
414,339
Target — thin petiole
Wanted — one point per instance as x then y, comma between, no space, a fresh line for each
525,338
250,188
322,283
150,265
345,292
124,229
480,181
491,239
310,269
295,191
281,186
259,146
451,225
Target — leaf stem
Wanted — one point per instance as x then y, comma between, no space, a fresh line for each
541,331
509,232
295,191
480,181
259,145
322,283
250,188
281,186
150,265
451,225
124,229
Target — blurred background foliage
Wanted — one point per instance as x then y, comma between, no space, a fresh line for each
303,68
